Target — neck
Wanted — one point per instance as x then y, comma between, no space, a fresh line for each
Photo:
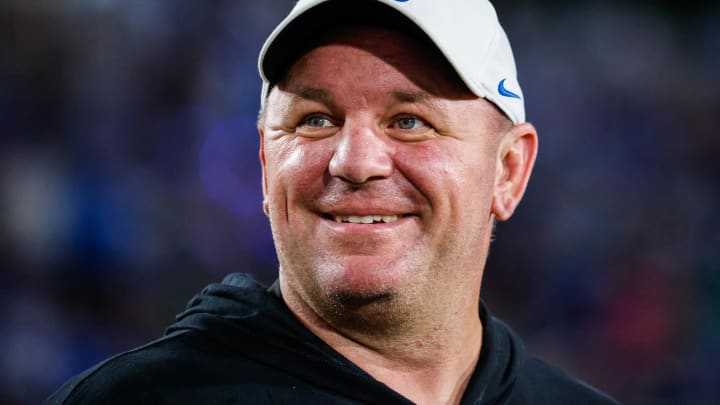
429,364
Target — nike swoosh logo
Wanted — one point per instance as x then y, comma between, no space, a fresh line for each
505,92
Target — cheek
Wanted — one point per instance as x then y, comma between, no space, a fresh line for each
295,166
448,171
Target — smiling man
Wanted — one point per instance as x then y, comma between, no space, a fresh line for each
392,139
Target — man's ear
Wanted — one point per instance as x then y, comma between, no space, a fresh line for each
265,205
516,157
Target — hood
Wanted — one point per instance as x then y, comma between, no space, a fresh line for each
252,319
241,309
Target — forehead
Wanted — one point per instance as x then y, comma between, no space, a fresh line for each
376,54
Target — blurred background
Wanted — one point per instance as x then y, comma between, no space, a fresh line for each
129,179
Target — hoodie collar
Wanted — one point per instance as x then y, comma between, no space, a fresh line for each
240,305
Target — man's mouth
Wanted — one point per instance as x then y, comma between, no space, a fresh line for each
366,219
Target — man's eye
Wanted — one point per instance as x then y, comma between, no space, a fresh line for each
315,125
409,123
316,121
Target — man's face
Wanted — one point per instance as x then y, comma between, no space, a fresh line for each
379,175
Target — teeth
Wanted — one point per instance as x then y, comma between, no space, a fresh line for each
367,219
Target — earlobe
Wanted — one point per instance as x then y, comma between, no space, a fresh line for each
517,152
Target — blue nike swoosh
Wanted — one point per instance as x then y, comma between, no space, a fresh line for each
505,92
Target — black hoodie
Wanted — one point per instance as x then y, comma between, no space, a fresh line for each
237,343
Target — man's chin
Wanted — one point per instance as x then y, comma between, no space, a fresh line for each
365,312
352,299
365,278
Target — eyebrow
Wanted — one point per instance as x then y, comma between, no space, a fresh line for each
420,97
313,94
324,96
411,96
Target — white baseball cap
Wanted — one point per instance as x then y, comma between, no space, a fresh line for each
466,32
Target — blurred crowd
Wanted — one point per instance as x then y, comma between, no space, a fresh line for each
129,179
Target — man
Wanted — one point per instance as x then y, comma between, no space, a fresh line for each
392,139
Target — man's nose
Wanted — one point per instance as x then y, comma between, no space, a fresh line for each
361,155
